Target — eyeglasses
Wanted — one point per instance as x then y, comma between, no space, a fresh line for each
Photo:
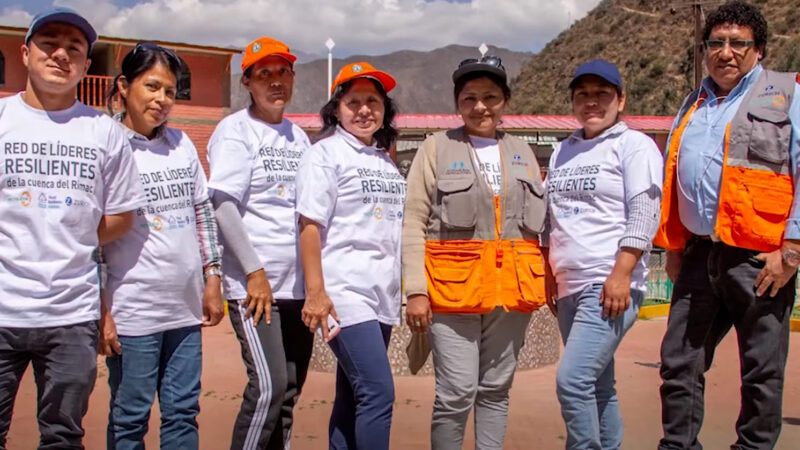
491,60
155,47
738,46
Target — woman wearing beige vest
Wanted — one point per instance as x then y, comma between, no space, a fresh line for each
471,259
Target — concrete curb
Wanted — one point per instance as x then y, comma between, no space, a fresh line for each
654,311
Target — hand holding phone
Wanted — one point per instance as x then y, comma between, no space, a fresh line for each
333,328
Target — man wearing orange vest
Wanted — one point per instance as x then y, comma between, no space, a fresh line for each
732,230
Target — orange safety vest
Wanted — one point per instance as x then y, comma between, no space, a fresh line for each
756,188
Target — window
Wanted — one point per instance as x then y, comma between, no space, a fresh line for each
184,83
2,69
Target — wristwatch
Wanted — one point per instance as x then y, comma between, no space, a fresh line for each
215,270
791,257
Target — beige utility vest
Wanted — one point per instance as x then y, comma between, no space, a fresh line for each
482,251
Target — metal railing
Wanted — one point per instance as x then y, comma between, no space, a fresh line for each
93,90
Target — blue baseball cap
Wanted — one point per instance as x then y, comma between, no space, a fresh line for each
600,68
62,15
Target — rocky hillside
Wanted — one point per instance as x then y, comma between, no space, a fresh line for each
652,43
423,78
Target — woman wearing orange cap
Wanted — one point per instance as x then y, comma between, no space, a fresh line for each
471,259
253,156
350,203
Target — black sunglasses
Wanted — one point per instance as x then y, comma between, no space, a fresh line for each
491,60
155,47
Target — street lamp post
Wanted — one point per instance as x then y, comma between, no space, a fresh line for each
329,43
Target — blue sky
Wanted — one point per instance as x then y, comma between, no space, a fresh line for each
357,26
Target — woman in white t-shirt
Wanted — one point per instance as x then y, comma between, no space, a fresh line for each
350,199
253,156
154,297
604,192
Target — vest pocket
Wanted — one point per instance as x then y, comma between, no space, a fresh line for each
459,204
763,212
769,137
529,263
454,273
533,206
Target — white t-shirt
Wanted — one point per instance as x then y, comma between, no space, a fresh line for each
489,162
60,172
155,272
589,184
255,163
357,196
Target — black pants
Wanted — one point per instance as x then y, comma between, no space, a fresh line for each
715,291
276,357
64,367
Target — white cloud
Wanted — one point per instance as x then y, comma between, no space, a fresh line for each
357,26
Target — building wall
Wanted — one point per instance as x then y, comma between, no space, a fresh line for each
210,73
15,73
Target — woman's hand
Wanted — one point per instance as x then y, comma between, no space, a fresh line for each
418,313
213,310
259,297
616,295
315,312
108,341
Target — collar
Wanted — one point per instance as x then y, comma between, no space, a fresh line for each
161,133
354,141
708,84
618,128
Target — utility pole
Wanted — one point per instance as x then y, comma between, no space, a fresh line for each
698,43
699,21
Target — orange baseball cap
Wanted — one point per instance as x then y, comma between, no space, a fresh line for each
263,47
363,70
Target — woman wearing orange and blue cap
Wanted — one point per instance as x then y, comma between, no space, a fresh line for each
253,156
350,204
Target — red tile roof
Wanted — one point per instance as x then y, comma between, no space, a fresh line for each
510,122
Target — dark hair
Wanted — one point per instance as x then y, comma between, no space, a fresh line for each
138,61
743,14
496,79
385,136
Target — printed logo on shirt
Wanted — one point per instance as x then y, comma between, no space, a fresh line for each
69,201
457,168
156,224
23,199
378,213
280,191
49,201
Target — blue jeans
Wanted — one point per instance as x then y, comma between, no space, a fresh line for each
169,363
585,380
362,410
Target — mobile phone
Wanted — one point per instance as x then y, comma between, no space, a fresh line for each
333,328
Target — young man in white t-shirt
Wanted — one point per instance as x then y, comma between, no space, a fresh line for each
67,184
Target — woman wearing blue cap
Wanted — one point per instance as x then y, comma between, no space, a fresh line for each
605,178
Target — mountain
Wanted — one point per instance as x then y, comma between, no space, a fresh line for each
423,78
651,41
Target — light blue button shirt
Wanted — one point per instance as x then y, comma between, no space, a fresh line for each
701,156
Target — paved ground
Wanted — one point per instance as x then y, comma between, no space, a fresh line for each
534,421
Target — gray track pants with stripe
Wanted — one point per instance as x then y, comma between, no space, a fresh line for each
276,357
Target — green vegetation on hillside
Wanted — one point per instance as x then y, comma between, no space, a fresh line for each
652,47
